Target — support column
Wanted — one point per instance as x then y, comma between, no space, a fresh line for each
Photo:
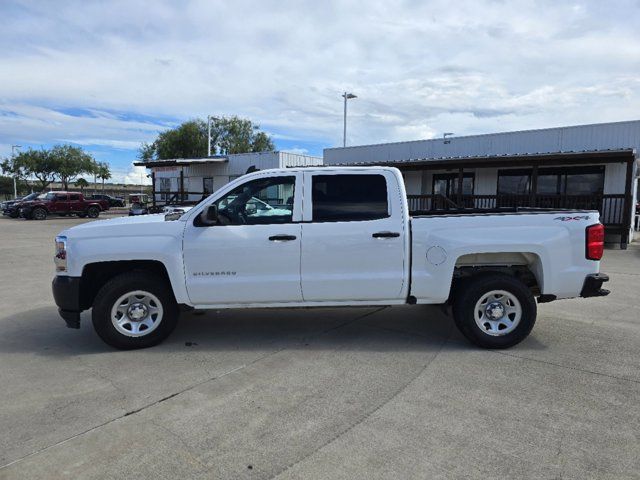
533,186
153,188
628,204
181,185
460,180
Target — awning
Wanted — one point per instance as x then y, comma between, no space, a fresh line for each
181,162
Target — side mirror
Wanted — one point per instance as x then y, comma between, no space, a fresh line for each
209,215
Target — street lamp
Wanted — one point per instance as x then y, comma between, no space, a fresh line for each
15,185
346,96
208,135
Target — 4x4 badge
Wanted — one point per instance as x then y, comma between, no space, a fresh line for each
567,219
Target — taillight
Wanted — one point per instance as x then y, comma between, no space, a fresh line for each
595,242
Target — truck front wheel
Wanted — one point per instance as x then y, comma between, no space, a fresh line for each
134,310
93,212
39,214
494,310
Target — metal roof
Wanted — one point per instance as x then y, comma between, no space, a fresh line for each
568,157
620,124
580,138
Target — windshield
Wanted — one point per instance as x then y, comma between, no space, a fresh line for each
31,196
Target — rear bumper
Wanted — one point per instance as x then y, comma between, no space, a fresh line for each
592,286
66,293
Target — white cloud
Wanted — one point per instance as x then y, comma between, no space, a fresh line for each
134,176
419,68
298,150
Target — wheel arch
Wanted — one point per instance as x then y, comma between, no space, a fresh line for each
96,275
525,266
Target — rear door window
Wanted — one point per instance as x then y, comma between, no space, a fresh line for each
349,198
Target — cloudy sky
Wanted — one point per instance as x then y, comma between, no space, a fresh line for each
110,75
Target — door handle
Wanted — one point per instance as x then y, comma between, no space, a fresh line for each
282,238
385,235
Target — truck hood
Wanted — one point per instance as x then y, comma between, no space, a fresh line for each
143,225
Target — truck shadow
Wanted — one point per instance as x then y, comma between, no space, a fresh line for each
415,328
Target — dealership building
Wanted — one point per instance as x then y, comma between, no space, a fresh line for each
579,167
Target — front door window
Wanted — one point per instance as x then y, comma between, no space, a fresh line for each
263,201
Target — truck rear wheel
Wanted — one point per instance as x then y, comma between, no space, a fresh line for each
39,213
134,310
494,310
93,212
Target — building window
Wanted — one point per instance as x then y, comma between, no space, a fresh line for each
447,184
514,182
587,180
165,188
207,186
349,198
584,181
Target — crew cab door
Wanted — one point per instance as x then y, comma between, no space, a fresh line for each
59,203
253,254
354,238
75,203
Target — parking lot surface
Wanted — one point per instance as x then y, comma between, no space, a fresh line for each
318,393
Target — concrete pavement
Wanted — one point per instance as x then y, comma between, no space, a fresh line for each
323,393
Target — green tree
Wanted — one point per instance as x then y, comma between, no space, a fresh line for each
33,163
189,140
81,183
6,187
103,172
70,162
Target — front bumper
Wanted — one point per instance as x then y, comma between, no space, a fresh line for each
592,286
66,293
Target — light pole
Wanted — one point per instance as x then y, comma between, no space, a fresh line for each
208,135
15,185
346,96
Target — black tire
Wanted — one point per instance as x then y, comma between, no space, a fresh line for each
38,213
122,284
93,212
14,214
472,290
82,215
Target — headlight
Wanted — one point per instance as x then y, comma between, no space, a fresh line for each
61,254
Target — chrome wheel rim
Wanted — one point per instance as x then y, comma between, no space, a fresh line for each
137,313
497,313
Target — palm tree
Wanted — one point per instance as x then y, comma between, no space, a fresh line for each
81,183
103,172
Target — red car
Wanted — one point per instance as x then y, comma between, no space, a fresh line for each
62,203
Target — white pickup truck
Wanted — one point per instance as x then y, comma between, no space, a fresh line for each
338,237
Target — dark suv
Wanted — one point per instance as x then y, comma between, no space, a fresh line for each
113,201
11,208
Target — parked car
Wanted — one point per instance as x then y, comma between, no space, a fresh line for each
348,240
113,201
138,208
61,203
11,208
176,208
